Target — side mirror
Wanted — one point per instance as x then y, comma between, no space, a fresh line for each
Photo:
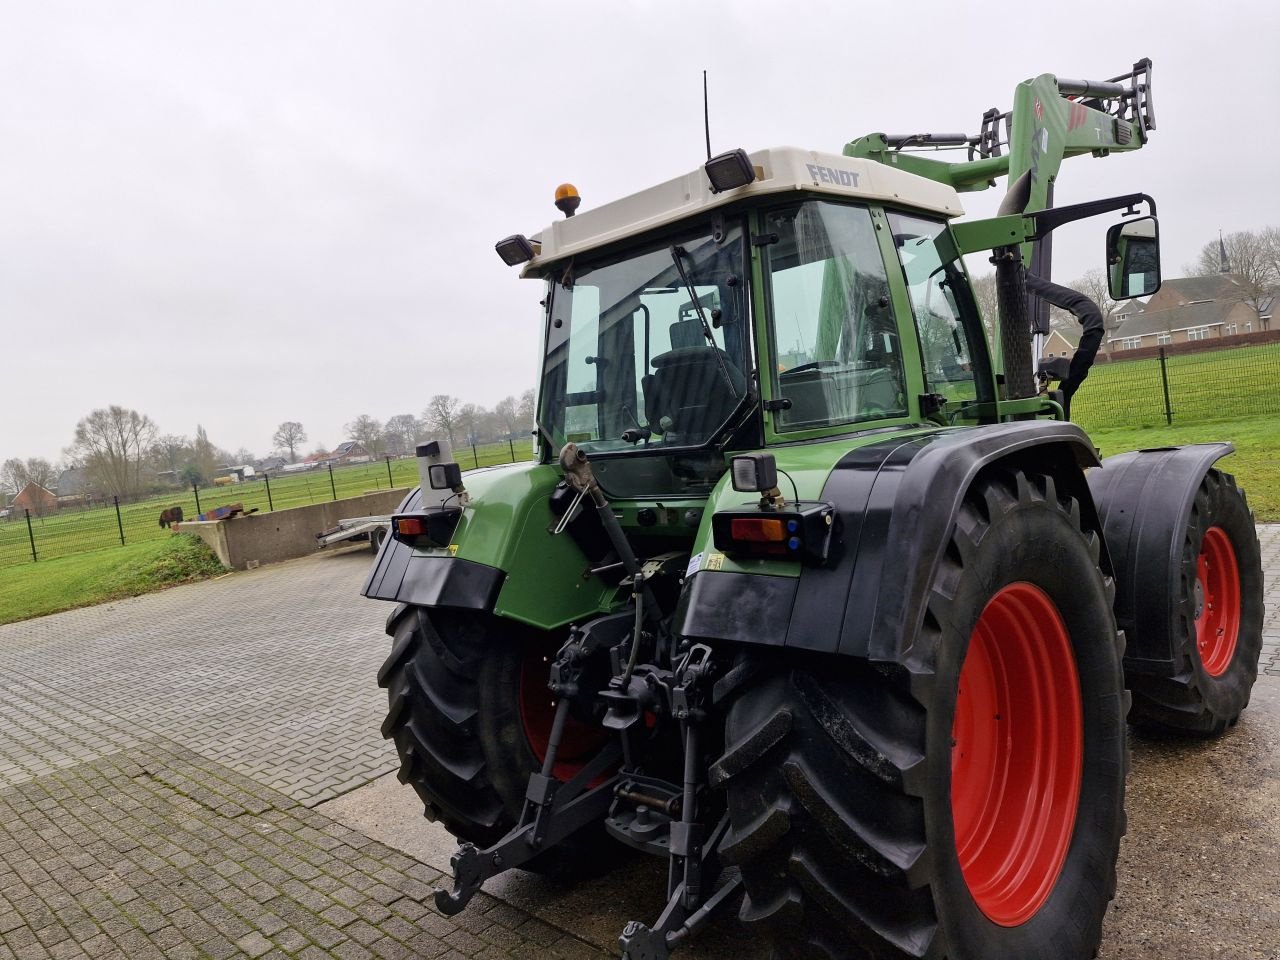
1133,258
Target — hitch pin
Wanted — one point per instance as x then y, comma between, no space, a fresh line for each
568,514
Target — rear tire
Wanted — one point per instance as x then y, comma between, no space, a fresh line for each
469,711
1217,620
869,814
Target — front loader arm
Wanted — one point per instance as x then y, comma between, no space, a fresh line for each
1052,118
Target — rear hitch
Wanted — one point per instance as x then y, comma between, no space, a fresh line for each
552,811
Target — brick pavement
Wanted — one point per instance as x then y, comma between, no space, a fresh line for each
276,684
158,852
1269,538
160,758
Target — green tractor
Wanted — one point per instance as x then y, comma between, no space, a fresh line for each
812,590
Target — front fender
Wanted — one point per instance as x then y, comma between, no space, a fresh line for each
1144,499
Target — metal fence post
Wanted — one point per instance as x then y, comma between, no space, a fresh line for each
119,524
1164,380
390,482
30,535
333,487
266,477
195,488
475,456
511,445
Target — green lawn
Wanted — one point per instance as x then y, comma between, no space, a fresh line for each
1256,462
1213,385
72,531
36,589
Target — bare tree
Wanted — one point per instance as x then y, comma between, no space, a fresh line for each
171,452
1094,286
442,414
507,415
289,436
402,433
468,421
1251,259
113,443
525,410
16,474
367,432
243,456
984,292
204,458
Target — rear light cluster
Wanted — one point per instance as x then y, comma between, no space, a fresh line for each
802,532
432,527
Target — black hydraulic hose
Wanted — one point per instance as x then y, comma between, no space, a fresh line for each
1090,317
1015,325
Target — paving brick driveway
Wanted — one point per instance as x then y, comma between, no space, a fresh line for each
160,759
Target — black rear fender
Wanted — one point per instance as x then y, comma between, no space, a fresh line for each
1144,500
897,500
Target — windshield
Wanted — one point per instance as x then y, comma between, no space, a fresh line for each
650,350
839,359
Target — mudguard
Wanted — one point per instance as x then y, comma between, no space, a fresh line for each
896,500
397,574
1144,500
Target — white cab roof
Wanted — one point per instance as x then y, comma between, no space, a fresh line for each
779,170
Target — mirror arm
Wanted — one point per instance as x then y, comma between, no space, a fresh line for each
1049,220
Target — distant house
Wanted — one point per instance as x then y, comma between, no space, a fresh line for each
271,463
350,451
73,482
36,499
1057,345
1187,310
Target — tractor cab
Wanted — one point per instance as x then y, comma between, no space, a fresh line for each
812,297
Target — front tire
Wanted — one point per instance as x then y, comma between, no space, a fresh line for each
965,804
1216,622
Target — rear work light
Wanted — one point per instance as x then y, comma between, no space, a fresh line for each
802,532
432,527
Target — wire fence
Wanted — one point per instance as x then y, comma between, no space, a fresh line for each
1170,388
33,535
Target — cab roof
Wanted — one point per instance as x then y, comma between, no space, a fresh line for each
778,170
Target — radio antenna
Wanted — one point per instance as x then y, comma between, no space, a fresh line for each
706,113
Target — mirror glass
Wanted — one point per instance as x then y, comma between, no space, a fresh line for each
1133,258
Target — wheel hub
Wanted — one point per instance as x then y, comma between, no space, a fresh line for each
1017,754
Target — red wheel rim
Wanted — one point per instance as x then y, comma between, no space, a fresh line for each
1016,756
1217,602
580,741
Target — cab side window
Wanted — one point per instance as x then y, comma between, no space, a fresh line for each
949,339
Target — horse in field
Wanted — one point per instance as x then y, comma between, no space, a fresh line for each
172,515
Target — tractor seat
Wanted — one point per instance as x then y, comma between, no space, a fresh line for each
686,395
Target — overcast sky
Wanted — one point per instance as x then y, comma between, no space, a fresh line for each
234,214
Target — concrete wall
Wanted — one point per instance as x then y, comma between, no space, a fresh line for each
284,534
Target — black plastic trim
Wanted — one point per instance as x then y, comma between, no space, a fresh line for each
431,581
897,500
739,607
1144,501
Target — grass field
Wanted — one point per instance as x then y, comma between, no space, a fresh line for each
1203,387
100,575
72,531
1256,462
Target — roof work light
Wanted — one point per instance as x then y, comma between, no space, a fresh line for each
515,250
729,170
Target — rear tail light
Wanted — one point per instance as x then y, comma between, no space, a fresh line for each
432,527
802,532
